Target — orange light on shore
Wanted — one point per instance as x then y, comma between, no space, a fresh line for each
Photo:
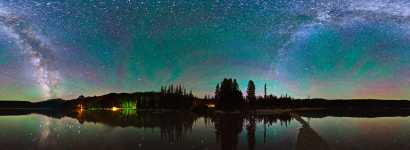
80,108
114,108
211,106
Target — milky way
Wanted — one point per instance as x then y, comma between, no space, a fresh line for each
41,56
310,48
306,69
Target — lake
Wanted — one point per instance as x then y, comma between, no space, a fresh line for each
181,130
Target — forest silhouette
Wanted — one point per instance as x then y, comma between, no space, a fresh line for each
227,97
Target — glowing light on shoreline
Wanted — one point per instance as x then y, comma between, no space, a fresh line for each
114,108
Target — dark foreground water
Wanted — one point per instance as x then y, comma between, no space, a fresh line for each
176,131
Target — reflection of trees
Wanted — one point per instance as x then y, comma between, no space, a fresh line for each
228,127
173,126
308,139
251,128
266,120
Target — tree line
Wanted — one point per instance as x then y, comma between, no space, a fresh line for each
229,96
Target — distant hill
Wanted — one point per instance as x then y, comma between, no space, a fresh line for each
16,104
176,100
47,104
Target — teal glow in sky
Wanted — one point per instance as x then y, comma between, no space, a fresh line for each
316,48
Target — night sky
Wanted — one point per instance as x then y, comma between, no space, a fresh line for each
310,48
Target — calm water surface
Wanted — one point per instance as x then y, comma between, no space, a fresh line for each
115,130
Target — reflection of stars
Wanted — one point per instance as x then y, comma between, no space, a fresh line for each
50,130
45,129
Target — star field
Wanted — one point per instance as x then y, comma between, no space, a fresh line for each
313,48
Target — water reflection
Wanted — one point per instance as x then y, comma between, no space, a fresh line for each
251,128
128,129
175,126
308,138
228,127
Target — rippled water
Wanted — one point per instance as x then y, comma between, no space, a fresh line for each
172,130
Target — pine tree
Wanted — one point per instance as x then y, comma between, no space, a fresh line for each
217,92
251,97
265,92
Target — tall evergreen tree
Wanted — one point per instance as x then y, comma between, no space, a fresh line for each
251,97
264,91
217,91
238,97
228,95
